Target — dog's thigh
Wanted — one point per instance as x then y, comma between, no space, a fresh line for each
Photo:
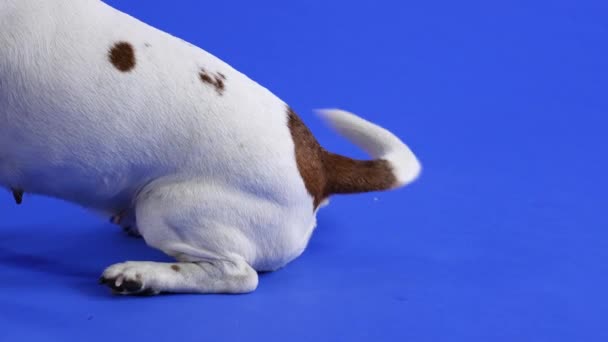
192,221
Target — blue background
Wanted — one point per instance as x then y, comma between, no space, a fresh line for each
504,238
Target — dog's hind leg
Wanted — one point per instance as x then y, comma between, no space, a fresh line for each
178,221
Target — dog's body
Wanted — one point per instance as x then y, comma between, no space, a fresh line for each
102,110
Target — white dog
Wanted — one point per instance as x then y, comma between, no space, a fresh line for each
102,110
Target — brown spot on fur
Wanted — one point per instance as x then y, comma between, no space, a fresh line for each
175,268
219,84
122,56
325,173
205,77
216,80
18,195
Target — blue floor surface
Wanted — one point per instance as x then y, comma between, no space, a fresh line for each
503,238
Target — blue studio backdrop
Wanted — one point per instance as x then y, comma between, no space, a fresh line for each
503,238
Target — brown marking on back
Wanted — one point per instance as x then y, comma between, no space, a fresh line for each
176,268
325,173
122,56
217,80
219,84
18,195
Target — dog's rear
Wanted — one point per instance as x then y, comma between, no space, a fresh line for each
216,171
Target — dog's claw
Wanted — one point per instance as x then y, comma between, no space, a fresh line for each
18,195
118,282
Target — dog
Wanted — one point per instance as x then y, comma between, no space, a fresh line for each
107,112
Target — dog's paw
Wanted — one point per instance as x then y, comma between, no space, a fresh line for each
128,278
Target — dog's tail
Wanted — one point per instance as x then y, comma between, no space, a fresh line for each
393,164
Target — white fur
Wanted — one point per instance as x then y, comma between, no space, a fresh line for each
212,180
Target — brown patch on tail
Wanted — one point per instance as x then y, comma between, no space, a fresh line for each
347,176
325,173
